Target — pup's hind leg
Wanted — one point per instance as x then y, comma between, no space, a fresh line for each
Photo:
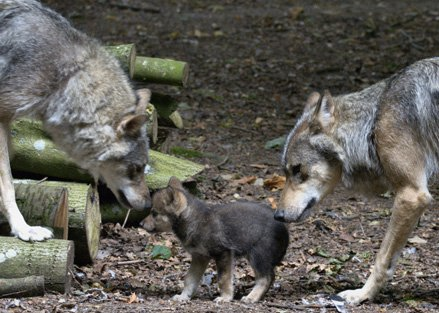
19,227
224,266
262,283
261,263
402,161
193,277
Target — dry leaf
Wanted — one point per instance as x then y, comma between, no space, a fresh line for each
275,182
133,298
347,237
417,240
245,180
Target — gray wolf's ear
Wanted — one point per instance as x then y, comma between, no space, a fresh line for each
144,96
175,183
324,111
312,101
131,125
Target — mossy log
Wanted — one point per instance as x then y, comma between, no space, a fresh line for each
126,55
35,153
161,71
31,286
52,259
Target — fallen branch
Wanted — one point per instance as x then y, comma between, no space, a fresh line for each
161,71
30,286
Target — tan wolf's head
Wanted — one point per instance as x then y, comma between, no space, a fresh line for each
122,165
167,204
311,160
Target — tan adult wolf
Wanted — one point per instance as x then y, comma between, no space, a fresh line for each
384,137
52,72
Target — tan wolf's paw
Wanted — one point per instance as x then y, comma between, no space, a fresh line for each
223,299
355,296
32,233
180,298
248,299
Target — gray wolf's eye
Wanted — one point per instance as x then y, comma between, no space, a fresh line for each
295,169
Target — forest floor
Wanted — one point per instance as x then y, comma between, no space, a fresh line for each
252,66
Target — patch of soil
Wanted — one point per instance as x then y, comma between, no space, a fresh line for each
253,63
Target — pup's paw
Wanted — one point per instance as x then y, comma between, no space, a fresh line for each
248,299
355,296
180,298
32,233
223,299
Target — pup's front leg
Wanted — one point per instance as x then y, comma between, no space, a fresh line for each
19,227
408,207
224,266
198,267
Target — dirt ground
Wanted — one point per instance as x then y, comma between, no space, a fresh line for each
252,65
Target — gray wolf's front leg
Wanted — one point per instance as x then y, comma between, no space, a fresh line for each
19,227
408,207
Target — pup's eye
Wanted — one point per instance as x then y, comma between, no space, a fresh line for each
295,169
154,213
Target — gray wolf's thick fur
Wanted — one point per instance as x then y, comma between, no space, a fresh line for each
54,73
220,232
384,137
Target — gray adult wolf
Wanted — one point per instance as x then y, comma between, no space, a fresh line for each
384,137
220,232
52,72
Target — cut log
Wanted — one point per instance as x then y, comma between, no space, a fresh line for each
166,107
35,153
52,259
126,55
161,71
31,286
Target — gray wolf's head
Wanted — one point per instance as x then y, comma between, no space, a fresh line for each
167,205
312,159
122,164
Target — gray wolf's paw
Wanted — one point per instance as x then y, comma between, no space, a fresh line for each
355,296
180,298
248,299
32,233
223,299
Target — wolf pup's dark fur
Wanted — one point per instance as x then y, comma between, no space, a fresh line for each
54,73
220,232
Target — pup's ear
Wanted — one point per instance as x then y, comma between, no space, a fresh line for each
131,125
324,112
312,101
175,183
144,96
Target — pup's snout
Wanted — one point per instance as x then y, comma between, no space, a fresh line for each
279,215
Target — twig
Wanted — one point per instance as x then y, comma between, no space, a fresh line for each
129,262
302,307
143,7
126,218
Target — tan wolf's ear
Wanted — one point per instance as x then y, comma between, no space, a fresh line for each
324,111
144,96
312,101
131,125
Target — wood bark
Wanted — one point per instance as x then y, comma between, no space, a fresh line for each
31,286
126,55
161,71
35,153
52,259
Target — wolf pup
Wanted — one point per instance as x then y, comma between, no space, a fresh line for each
54,73
220,232
384,137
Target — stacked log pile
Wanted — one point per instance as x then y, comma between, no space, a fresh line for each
65,201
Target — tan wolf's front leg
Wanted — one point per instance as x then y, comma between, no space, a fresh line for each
19,227
409,204
196,270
